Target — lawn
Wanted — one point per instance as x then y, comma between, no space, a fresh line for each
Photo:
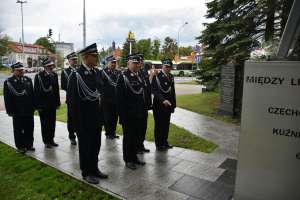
1,91
204,103
25,178
178,136
5,70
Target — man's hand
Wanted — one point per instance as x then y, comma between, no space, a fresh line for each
167,103
153,72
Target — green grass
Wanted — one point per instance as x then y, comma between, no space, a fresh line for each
5,70
25,178
177,136
1,91
204,103
188,83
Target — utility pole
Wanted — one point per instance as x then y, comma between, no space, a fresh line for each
178,38
84,25
21,3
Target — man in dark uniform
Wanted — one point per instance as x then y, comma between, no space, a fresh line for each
132,110
19,104
110,76
143,72
46,92
84,99
164,103
65,77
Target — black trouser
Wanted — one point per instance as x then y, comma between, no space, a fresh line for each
70,125
110,118
132,128
48,121
161,127
23,131
89,141
142,134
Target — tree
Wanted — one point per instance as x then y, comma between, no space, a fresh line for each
144,46
43,41
4,42
169,48
185,51
238,28
155,49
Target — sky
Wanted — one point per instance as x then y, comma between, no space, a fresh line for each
107,21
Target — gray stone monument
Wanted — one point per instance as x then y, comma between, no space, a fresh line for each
231,90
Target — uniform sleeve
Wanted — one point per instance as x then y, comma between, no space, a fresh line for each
57,95
63,81
100,81
121,98
8,100
32,93
37,93
156,91
73,99
173,94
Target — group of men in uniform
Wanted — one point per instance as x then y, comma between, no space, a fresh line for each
94,98
22,98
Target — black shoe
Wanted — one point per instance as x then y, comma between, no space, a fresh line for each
109,137
140,151
54,144
31,148
21,150
48,146
161,148
169,146
101,175
73,142
146,150
91,179
131,165
138,162
116,137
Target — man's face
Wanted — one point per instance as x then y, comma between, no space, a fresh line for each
73,61
50,68
91,60
167,68
19,72
141,64
112,64
134,66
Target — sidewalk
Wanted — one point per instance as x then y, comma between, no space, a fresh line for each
224,134
176,174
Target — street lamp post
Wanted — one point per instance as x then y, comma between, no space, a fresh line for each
84,25
21,3
178,38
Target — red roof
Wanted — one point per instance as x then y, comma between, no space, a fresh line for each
17,47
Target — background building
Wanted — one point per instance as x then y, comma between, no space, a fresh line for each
32,56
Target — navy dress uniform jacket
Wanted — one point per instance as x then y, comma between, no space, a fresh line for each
16,105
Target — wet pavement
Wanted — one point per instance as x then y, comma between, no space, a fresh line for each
224,134
176,174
